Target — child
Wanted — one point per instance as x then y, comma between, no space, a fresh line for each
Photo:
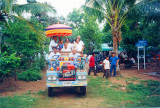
106,65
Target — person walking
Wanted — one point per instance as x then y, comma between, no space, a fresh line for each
106,65
92,64
114,62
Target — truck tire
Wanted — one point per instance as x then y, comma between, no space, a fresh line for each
50,91
83,90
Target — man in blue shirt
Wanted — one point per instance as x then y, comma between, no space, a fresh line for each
114,62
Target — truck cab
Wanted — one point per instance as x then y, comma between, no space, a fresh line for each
67,71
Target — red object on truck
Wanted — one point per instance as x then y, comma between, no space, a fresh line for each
71,67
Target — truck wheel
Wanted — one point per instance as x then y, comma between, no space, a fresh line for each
83,90
50,92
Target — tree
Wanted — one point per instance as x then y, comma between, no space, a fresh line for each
90,33
75,17
8,8
116,11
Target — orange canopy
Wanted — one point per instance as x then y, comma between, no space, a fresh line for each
58,30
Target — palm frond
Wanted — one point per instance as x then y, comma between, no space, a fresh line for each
34,8
6,5
146,8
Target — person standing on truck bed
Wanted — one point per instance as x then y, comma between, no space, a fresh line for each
53,43
80,41
78,46
61,44
53,55
65,48
92,64
69,45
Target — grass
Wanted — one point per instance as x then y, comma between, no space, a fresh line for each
20,101
135,95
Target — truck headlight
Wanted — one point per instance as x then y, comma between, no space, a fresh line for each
52,78
82,77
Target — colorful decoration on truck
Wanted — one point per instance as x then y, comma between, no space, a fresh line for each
58,30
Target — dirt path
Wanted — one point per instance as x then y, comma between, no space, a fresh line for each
20,87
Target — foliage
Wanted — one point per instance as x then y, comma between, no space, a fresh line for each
90,34
21,101
23,38
114,12
87,27
75,17
8,7
8,64
30,75
28,46
107,38
151,32
129,38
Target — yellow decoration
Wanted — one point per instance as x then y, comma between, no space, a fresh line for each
59,31
61,63
51,68
66,59
53,59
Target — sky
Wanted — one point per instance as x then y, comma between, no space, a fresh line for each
63,7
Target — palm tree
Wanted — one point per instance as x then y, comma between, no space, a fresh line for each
9,9
115,13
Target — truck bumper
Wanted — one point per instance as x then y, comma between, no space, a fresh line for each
66,83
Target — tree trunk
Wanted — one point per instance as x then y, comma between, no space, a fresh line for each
115,49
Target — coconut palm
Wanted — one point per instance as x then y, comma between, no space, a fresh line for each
9,8
115,13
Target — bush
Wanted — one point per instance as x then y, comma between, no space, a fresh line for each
8,65
30,75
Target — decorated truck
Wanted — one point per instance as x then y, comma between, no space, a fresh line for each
65,71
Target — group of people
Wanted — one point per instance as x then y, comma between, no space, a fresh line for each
78,45
109,65
55,48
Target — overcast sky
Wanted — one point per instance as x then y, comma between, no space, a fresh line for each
63,7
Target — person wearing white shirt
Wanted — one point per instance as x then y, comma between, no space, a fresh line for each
69,45
65,48
124,56
53,43
74,54
80,41
78,46
106,65
53,55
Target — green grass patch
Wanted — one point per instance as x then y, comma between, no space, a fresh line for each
21,101
136,94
